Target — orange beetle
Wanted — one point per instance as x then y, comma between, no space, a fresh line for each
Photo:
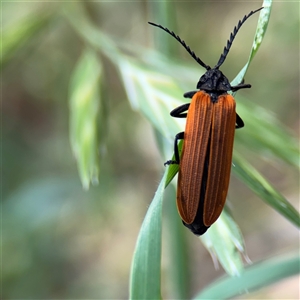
205,162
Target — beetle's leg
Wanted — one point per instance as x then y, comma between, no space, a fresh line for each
189,94
240,86
178,111
179,136
239,123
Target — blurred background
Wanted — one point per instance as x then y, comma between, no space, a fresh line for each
61,241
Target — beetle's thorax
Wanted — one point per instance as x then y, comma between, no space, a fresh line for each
215,83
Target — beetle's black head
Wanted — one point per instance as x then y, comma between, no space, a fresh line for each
214,81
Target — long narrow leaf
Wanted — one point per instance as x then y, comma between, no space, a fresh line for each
264,190
255,276
145,269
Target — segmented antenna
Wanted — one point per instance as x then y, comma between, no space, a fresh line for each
232,36
187,48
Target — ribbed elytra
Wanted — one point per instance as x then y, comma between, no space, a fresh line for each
205,162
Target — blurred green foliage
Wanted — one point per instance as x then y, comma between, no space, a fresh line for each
59,241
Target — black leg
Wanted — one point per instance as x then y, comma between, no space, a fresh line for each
240,86
239,123
189,94
178,111
179,136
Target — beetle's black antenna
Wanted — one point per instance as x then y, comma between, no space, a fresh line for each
187,48
232,36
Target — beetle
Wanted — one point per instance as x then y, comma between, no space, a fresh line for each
205,162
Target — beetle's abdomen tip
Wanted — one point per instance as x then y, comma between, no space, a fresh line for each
197,230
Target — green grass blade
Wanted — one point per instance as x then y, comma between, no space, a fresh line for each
263,189
84,114
179,275
261,28
255,276
145,269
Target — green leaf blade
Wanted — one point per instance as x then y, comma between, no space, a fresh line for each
145,269
264,190
254,277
